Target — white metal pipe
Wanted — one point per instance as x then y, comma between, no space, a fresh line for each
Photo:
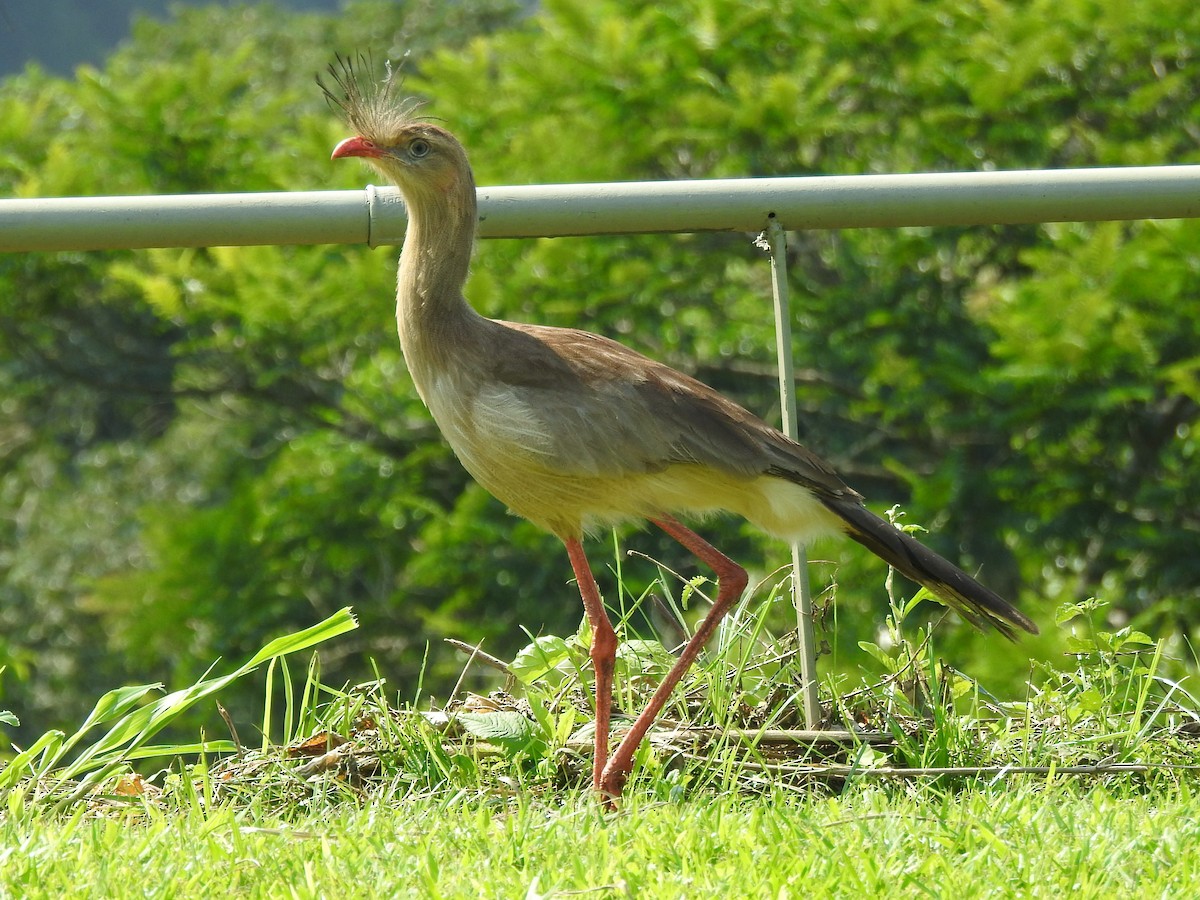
376,216
191,220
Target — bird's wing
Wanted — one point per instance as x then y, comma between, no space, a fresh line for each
608,410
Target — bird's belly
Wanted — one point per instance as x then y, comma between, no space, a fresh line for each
563,502
568,503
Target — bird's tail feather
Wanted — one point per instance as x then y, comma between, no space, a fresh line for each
979,605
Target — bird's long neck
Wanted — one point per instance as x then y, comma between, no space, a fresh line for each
431,314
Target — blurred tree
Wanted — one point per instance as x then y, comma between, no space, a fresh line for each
199,447
181,429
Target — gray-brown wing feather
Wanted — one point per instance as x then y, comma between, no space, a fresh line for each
615,411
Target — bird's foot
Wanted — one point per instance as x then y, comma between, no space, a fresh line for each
609,788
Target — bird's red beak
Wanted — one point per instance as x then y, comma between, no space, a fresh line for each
356,146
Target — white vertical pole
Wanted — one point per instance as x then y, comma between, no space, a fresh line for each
776,245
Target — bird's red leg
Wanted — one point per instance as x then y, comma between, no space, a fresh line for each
603,653
731,581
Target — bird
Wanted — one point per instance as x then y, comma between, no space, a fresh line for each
573,431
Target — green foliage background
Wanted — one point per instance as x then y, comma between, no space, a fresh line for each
200,448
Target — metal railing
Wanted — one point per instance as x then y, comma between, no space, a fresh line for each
376,216
768,206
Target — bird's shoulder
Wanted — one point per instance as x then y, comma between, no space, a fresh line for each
560,358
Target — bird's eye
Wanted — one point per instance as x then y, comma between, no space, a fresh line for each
418,148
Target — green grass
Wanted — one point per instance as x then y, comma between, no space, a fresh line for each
1084,785
1025,838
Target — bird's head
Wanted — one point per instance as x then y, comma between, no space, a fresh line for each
410,151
